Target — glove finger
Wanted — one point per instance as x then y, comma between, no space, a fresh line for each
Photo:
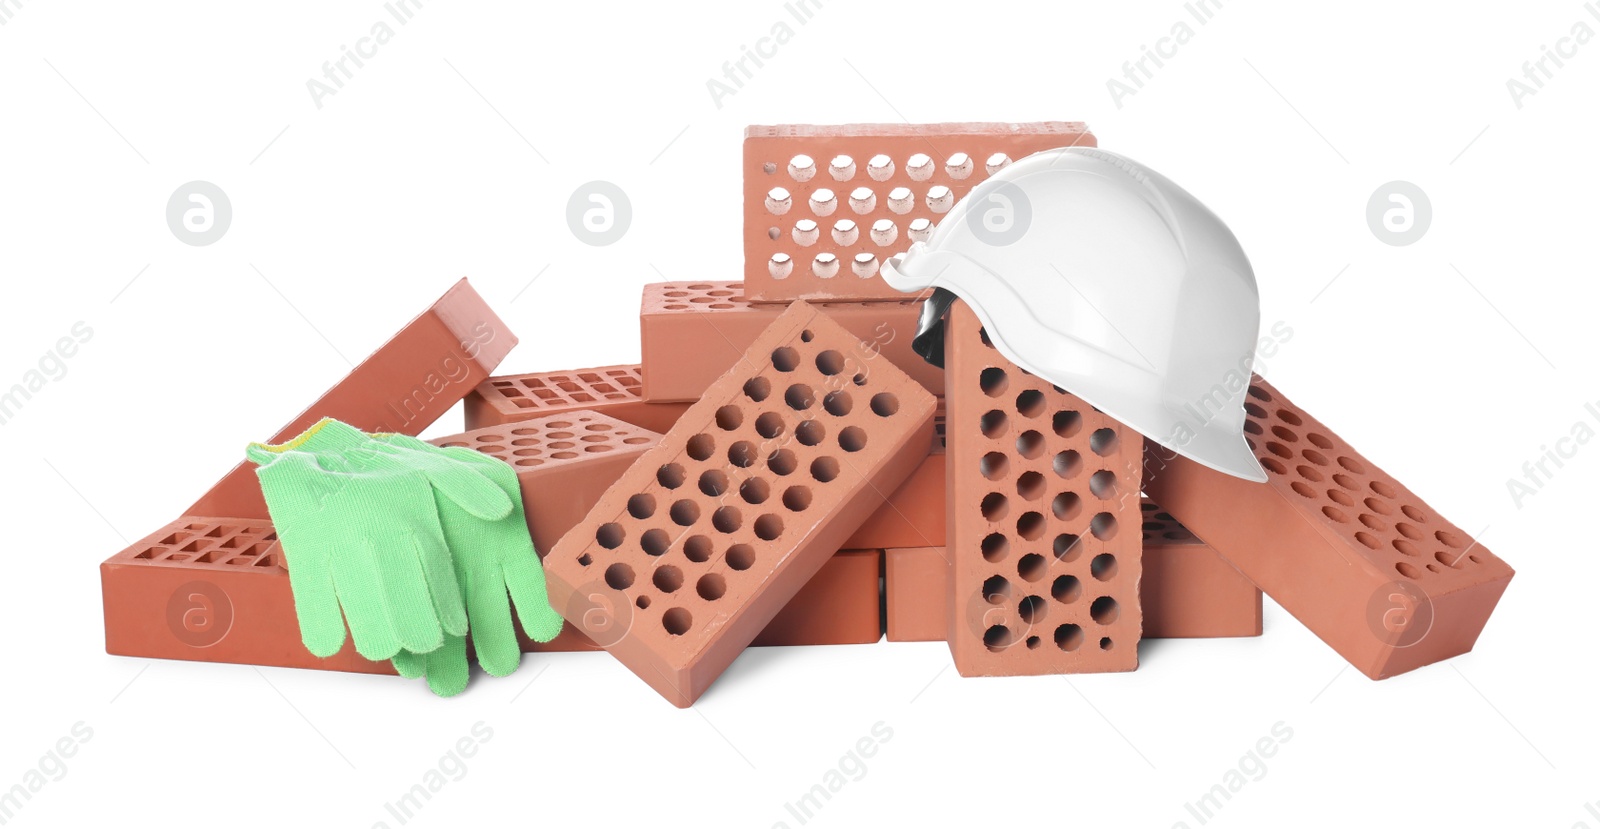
493,635
479,495
410,665
447,670
355,577
316,602
405,591
524,578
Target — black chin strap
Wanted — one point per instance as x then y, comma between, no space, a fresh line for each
929,341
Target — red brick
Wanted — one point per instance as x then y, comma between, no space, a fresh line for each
840,605
714,530
1349,551
1043,511
614,391
769,151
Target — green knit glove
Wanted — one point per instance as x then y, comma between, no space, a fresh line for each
362,538
496,566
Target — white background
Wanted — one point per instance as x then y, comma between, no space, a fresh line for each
1450,362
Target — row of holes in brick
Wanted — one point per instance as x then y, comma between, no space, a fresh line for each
919,167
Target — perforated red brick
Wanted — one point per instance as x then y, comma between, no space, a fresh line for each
1349,551
840,605
824,206
713,531
1187,591
1043,520
692,332
615,391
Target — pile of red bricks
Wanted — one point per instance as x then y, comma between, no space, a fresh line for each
782,468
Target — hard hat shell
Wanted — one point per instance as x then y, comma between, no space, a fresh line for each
1105,278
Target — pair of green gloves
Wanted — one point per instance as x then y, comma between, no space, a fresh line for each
409,543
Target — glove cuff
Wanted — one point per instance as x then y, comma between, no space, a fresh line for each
326,435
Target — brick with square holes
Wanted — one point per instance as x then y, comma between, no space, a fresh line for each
692,332
1349,551
1043,535
186,592
615,391
1187,591
824,206
714,530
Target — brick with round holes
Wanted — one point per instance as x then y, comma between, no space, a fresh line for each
616,391
1187,591
1043,537
692,332
703,540
824,206
1352,553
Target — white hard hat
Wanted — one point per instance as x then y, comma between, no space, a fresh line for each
1105,278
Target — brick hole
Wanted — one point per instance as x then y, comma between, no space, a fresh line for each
727,519
769,168
1285,434
1336,514
958,166
757,388
1032,610
1272,465
1103,485
1260,394
232,543
596,448
884,232
684,512
729,418
1069,637
1406,547
713,482
740,557
994,465
1319,441
1444,557
1031,403
802,168
1414,514
805,233
993,424
1103,567
178,557
643,602
1353,465
784,359
859,379
192,547
1372,522
1031,567
994,547
267,561
697,548
1347,482
1253,410
797,498
863,200
806,335
1105,643
778,201
700,447
998,637
842,168
772,233
880,167
1408,530
743,454
1408,570
1066,506
585,560
564,455
151,552
655,542
1253,427
824,469
994,507
940,198
677,621
1030,444
996,590
1103,526
823,203
810,433
885,404
1067,423
530,462
983,337
993,381
1067,464
919,167
920,229
1368,539
1434,568
769,527
845,232
1066,589
799,397
711,586
1104,610
1340,497
838,403
1303,489
667,578
1030,486
636,440
1450,539
852,438
619,576
195,527
830,362
782,462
